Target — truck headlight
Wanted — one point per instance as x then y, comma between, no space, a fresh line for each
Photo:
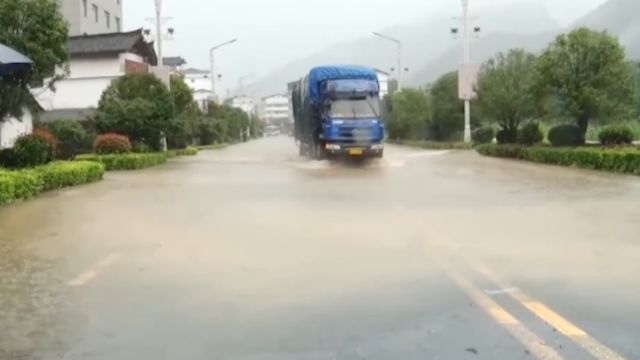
332,147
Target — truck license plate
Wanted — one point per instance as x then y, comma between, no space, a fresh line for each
356,151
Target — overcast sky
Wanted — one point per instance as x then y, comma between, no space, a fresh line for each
273,32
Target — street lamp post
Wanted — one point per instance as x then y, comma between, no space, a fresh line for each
212,58
399,44
159,31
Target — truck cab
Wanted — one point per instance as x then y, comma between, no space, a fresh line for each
337,112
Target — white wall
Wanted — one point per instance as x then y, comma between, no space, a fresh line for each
12,128
95,67
79,24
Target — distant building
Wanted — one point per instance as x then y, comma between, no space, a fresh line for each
383,79
174,63
95,61
275,109
200,83
243,103
90,17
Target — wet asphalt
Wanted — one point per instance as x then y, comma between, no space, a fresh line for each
252,253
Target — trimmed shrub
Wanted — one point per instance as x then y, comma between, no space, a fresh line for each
212,147
127,161
502,151
18,185
72,137
565,135
106,144
621,160
8,158
139,147
484,135
37,148
616,135
530,134
505,136
62,174
436,145
191,151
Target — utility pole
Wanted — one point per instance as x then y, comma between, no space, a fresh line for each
159,31
466,63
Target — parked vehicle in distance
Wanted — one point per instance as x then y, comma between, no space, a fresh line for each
337,112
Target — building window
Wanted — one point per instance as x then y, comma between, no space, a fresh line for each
96,14
107,19
118,28
85,11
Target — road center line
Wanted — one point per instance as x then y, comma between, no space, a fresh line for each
561,324
526,337
87,276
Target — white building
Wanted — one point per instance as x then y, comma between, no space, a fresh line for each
11,129
95,61
89,17
243,103
383,79
200,83
275,109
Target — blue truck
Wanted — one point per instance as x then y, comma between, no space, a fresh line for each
336,112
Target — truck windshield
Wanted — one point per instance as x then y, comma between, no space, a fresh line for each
355,109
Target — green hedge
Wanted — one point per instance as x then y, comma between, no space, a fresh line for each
620,160
128,161
58,175
435,145
213,147
25,184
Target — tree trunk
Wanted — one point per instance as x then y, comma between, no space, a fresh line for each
583,124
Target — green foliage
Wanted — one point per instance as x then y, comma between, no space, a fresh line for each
191,151
213,147
25,184
507,136
18,185
483,135
587,73
31,150
447,110
140,147
436,145
184,128
62,174
411,115
37,29
621,160
72,137
128,161
565,135
256,127
530,134
138,106
616,135
505,91
111,144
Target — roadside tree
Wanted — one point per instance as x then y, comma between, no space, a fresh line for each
506,91
410,116
138,106
37,29
586,70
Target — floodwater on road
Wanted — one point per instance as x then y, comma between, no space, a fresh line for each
254,253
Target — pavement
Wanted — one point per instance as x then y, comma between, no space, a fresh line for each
252,253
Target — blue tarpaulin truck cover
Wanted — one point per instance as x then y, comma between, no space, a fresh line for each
320,74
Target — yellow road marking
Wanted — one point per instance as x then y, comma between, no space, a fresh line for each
531,341
87,276
561,324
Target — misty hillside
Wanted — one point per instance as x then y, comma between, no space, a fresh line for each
424,42
616,16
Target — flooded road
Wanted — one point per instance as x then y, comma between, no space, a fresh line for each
252,253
